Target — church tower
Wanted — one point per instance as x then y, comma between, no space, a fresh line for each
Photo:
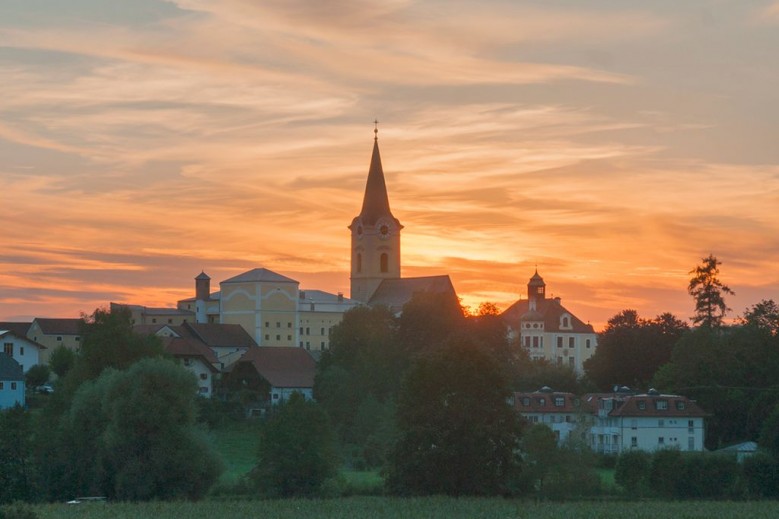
536,291
375,235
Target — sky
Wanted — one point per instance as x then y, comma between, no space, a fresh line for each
610,144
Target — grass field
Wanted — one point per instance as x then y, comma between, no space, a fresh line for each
237,444
432,508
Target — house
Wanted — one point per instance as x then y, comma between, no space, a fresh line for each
275,373
650,421
24,351
197,358
549,331
12,391
54,332
562,412
741,450
146,315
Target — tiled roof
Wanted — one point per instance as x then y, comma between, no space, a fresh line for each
4,333
62,326
647,405
283,366
259,275
9,368
216,335
546,402
394,293
550,310
190,347
320,296
19,329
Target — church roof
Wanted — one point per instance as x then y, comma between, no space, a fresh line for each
394,293
259,275
375,203
550,310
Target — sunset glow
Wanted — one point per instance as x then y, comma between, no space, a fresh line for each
613,145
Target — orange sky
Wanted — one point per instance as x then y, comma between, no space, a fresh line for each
613,144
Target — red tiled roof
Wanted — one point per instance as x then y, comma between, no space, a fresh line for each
216,335
282,366
550,311
675,405
62,326
187,347
545,402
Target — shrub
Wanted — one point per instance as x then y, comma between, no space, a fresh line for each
632,472
761,473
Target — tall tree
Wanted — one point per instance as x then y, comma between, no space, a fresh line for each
457,435
708,292
763,315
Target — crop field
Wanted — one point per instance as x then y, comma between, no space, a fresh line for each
429,508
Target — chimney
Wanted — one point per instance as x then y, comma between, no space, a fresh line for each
340,297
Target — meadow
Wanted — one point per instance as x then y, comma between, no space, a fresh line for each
429,508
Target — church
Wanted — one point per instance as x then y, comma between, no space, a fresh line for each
275,311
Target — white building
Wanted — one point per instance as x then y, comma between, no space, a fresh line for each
549,331
561,412
647,422
23,350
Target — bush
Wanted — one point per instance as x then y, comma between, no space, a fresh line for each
761,473
665,471
17,511
632,472
707,476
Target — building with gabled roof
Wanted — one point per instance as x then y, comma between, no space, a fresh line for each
25,351
549,331
560,411
12,390
650,421
276,372
55,332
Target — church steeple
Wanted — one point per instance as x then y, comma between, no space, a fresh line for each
375,234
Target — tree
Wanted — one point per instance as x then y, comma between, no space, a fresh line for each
131,435
632,472
457,435
769,436
37,375
707,290
17,469
61,360
296,453
763,315
631,349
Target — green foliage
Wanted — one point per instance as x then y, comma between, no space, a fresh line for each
707,290
18,511
61,360
296,451
17,469
532,375
731,373
108,341
631,349
769,435
632,472
761,473
665,472
456,433
707,476
37,375
130,435
763,315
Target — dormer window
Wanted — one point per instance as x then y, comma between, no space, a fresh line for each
641,404
559,401
680,405
661,405
565,321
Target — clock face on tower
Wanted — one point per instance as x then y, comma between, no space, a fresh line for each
384,231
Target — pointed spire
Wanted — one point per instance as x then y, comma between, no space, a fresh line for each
375,204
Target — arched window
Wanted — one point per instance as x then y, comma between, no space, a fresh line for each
358,261
384,262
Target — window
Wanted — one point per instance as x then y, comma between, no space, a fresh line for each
170,321
542,402
641,404
13,386
527,342
526,401
21,350
680,405
633,441
322,345
278,337
559,361
203,376
559,401
559,342
289,325
587,343
566,322
8,348
661,441
634,424
301,330
267,324
278,324
60,338
79,338
2,386
661,423
358,261
661,405
570,342
384,263
308,331
535,342
267,337
323,331
275,396
289,337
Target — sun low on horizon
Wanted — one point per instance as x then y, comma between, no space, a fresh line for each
610,146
